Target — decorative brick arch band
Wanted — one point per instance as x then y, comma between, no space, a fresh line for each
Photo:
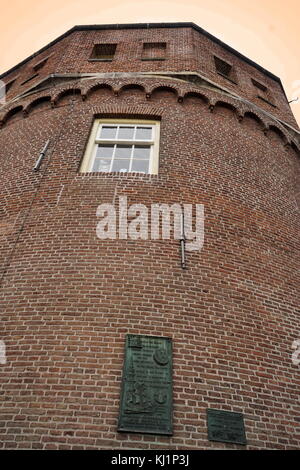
181,93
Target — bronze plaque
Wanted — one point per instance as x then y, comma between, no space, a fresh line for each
226,426
146,398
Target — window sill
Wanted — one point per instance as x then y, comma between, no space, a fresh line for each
100,60
119,174
29,79
266,101
145,59
227,78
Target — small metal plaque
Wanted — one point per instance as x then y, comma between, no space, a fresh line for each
226,426
146,398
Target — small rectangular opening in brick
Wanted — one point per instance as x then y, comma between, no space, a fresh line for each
40,65
9,85
154,51
103,52
223,67
258,85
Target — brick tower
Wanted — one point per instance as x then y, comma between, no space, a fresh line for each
148,114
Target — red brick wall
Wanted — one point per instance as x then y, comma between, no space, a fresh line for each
187,50
68,299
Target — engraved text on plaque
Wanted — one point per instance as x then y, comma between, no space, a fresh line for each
146,399
226,426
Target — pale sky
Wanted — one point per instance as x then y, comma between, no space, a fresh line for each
266,31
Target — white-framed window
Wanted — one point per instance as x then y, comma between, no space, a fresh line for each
122,145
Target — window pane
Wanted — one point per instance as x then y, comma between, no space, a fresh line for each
143,133
123,151
108,132
121,165
141,166
141,151
125,133
101,165
104,151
